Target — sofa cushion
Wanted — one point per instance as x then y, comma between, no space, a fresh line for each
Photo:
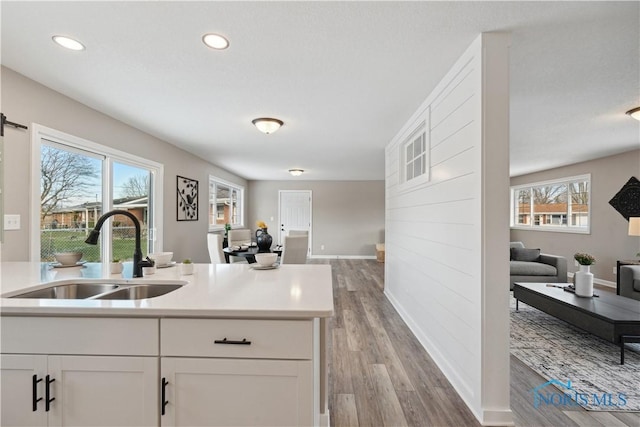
525,268
636,285
523,254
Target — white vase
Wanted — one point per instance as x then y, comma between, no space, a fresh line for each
584,281
186,269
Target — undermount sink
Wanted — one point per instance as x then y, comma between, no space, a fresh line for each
70,291
125,290
139,292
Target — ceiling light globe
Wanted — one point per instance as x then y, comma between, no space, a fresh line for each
267,125
296,172
68,43
635,113
215,41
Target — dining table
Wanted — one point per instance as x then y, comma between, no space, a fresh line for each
248,252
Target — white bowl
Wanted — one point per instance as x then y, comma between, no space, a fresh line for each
161,258
266,259
68,258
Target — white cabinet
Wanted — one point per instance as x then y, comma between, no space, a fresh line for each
52,387
237,372
237,392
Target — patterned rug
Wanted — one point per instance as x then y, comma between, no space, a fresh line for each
580,365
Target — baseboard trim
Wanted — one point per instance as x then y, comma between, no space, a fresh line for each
342,257
597,281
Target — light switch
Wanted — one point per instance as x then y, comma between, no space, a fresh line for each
12,222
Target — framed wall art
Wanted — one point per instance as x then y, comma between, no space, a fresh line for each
187,202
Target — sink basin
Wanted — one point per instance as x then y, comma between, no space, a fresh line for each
95,289
70,291
139,292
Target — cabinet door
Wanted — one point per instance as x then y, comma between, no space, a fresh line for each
104,391
17,390
237,392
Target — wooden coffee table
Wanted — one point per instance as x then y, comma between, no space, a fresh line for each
609,316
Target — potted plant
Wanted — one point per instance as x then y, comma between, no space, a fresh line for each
583,279
116,266
186,267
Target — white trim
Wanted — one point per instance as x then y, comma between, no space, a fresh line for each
40,132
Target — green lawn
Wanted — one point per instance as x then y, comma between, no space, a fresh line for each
52,241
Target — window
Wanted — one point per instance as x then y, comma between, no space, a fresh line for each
414,155
559,205
225,204
79,181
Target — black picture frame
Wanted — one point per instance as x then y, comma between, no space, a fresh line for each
187,199
627,200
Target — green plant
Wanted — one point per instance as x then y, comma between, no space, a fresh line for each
227,227
584,259
115,259
187,261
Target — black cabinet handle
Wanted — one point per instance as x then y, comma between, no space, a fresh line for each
164,394
226,341
47,393
34,383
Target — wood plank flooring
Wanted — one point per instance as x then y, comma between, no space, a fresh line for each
379,374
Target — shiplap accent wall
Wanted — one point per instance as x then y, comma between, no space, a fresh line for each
446,272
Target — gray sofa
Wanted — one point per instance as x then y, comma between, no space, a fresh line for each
529,265
630,281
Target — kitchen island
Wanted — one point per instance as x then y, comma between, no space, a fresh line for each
231,346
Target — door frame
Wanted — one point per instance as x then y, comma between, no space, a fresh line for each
280,239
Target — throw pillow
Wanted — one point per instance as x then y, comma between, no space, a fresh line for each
525,254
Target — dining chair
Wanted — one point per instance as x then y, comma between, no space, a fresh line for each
295,250
238,237
214,243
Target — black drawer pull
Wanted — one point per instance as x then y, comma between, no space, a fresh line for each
164,394
47,393
35,382
226,341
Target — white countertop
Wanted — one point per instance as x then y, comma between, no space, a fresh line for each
223,290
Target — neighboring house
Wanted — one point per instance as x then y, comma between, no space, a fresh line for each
554,214
86,214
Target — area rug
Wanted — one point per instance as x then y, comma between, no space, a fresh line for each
584,369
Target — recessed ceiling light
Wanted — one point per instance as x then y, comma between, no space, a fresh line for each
215,41
68,42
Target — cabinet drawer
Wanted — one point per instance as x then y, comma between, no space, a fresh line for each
270,339
79,335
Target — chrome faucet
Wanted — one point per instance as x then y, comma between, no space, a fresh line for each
138,263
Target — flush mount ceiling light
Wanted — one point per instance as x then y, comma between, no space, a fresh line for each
267,125
68,42
635,113
296,172
215,41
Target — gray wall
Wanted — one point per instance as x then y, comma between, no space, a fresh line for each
348,216
608,240
26,101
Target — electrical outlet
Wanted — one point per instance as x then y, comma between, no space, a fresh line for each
322,247
576,263
614,271
12,222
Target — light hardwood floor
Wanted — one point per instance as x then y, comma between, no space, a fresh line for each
379,375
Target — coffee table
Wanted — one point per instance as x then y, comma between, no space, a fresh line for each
609,316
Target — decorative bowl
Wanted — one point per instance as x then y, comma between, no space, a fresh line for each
161,258
266,259
68,258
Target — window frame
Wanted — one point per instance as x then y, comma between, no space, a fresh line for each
421,126
241,202
156,218
513,190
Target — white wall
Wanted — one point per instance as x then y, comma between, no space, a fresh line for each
348,216
445,268
26,101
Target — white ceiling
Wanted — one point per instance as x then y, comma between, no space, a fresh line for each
343,76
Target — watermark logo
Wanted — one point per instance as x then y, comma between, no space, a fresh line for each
565,395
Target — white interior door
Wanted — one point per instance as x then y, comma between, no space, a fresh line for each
295,212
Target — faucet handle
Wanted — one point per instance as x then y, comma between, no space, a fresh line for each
146,263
